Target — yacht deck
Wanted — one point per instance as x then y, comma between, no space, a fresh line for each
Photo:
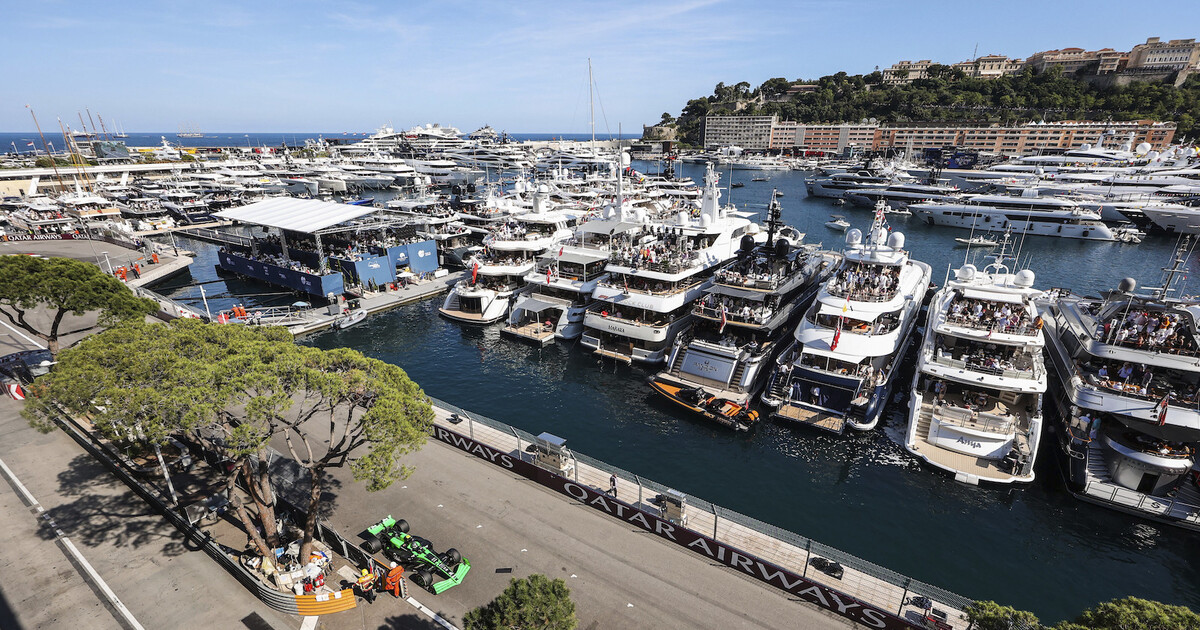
1180,508
965,464
536,332
794,412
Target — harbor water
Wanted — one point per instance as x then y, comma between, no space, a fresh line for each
1035,548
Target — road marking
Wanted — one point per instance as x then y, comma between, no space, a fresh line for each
118,608
432,615
26,337
309,623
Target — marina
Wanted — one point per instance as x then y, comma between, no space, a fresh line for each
561,251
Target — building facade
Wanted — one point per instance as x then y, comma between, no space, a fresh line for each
906,72
1072,60
761,133
1176,54
1026,139
990,66
747,132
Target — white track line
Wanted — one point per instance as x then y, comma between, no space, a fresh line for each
118,608
26,337
432,615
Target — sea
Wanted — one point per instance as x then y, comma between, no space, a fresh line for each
1034,547
20,141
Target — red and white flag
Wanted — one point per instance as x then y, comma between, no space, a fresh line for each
724,320
837,335
475,272
1162,409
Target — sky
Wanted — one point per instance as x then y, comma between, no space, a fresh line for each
520,66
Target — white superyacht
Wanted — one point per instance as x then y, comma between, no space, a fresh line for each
840,368
976,404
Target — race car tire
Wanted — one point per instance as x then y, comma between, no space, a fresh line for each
373,545
401,525
452,556
422,578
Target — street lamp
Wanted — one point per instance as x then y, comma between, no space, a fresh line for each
107,262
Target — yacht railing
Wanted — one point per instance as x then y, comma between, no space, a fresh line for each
1033,373
672,290
602,309
978,420
733,315
863,294
1025,327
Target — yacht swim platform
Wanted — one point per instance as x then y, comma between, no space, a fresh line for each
1180,508
794,412
535,332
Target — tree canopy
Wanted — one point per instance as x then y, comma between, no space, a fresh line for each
527,604
948,95
1129,613
236,389
63,286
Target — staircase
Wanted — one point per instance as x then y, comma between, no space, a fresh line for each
735,381
775,389
1097,467
677,364
924,420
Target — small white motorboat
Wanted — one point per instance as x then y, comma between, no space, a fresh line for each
347,320
1128,234
838,223
976,241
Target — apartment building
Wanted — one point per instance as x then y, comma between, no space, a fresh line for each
1176,54
906,72
760,133
747,132
1025,139
1071,60
990,66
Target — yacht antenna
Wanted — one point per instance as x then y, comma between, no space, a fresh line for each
1177,267
773,214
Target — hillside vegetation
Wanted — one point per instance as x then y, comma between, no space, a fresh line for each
950,96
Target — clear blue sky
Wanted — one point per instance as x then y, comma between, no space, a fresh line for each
519,66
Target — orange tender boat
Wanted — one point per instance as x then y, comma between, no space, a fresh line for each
721,410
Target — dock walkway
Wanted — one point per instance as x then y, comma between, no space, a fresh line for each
377,302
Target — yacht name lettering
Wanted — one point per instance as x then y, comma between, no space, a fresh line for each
971,443
706,367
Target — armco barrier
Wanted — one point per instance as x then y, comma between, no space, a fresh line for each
777,572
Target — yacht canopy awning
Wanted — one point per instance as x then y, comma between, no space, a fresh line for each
745,294
297,215
608,227
992,296
534,305
577,258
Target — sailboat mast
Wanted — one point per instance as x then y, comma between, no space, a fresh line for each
53,164
591,105
89,111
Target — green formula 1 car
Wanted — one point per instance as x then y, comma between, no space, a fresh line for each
392,537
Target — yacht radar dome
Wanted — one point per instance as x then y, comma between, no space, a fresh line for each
1024,279
965,273
681,218
1143,147
896,240
1085,147
1127,285
705,220
854,236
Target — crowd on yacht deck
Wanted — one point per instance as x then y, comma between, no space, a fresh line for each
866,283
988,315
1146,330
